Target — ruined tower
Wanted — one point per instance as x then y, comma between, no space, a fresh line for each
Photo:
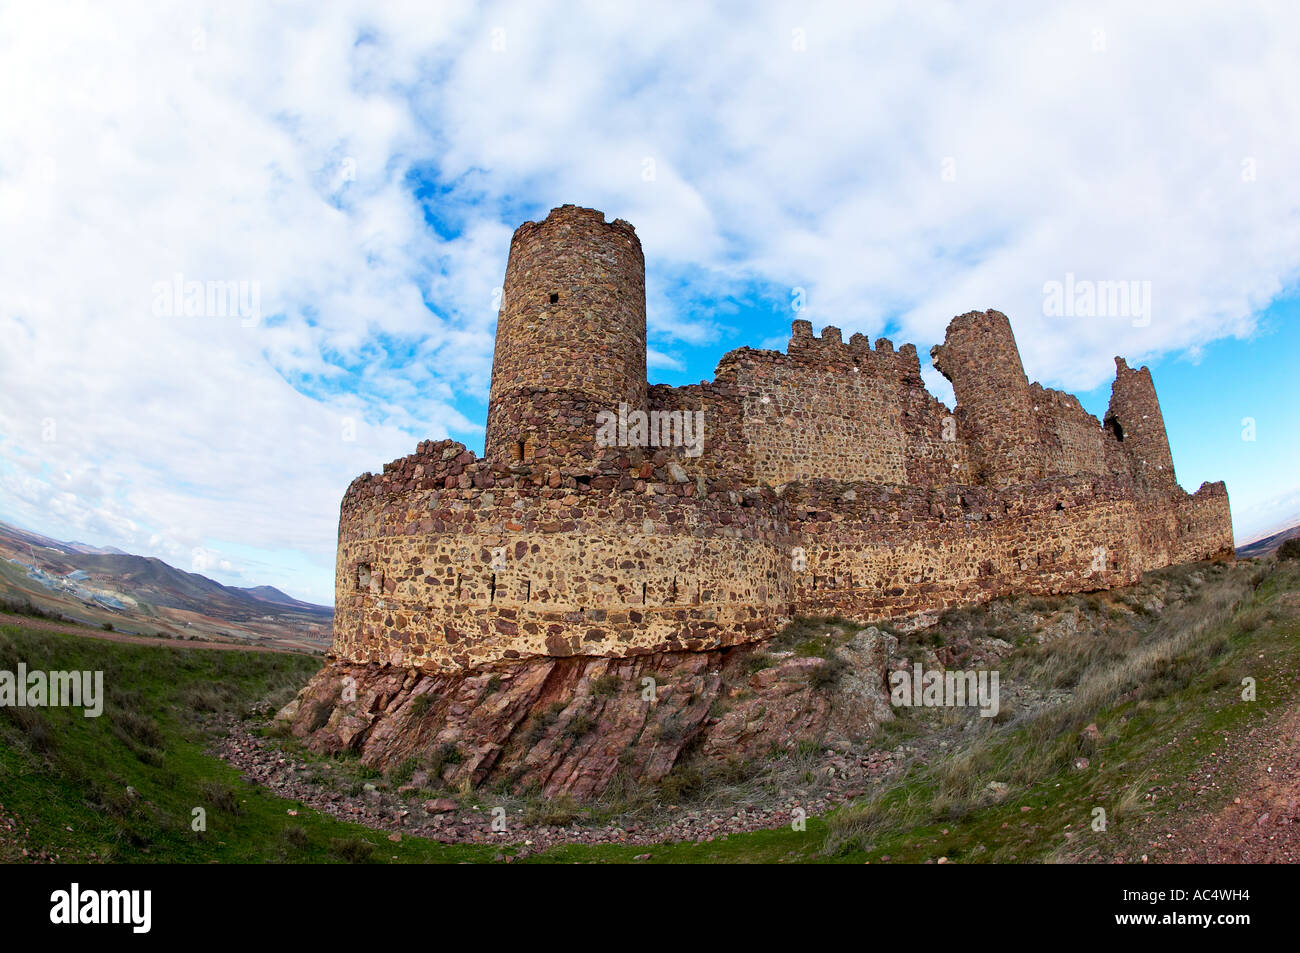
571,337
1135,420
995,409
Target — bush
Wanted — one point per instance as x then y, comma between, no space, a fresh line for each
222,798
552,812
1290,549
28,608
295,838
138,727
446,755
352,850
606,685
827,675
581,724
680,784
33,726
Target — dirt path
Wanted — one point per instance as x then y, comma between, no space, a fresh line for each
1258,770
1262,823
63,628
468,820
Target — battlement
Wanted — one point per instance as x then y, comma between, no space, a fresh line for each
574,214
831,348
826,479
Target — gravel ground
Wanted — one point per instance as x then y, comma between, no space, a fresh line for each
262,761
1259,771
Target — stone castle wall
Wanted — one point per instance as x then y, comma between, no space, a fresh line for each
830,481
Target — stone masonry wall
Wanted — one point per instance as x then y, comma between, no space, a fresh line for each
449,561
1070,438
825,410
446,562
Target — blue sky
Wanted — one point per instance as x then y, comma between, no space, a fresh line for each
357,171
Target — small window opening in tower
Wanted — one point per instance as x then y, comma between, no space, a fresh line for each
1116,429
363,575
555,297
643,592
528,590
492,589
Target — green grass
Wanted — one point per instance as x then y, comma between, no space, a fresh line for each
1162,687
1162,700
65,776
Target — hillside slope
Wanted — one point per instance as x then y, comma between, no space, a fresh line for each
1269,544
145,595
1129,701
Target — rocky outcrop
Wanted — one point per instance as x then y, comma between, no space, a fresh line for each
862,695
574,725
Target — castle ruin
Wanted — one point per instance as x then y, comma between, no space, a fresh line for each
828,482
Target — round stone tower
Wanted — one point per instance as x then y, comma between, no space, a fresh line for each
996,416
570,337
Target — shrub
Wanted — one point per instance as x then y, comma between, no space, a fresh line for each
33,726
352,850
827,675
221,797
552,812
444,756
295,837
606,685
680,784
28,608
579,725
138,727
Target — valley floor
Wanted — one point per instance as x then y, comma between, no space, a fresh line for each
128,638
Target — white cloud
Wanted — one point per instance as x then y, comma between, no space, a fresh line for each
273,145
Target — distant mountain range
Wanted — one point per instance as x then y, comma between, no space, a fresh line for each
1269,544
162,584
148,591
